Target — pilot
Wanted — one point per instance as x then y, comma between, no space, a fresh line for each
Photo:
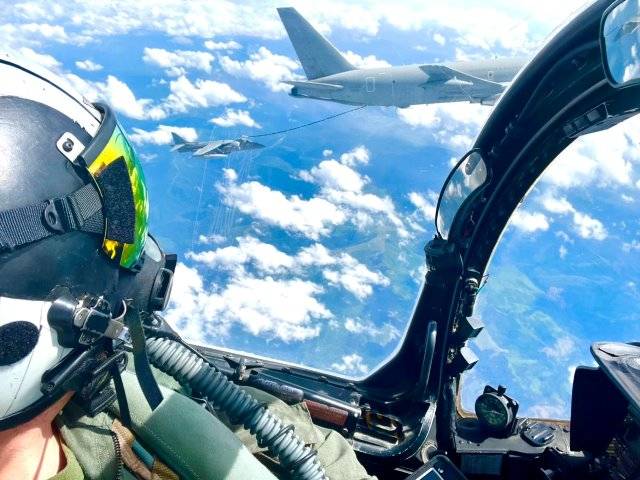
78,272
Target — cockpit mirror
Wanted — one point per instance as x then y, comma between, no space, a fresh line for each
468,175
620,42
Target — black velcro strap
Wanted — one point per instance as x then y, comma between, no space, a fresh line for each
119,204
147,381
22,225
81,210
87,208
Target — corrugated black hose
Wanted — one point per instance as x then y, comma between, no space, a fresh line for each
188,368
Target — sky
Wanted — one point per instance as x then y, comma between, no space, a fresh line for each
311,249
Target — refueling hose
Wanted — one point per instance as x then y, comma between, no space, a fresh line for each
191,370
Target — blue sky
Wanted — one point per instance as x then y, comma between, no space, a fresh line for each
310,250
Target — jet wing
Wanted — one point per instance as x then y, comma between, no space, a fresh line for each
209,147
442,74
319,86
249,145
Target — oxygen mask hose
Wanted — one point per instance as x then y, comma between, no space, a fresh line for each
188,368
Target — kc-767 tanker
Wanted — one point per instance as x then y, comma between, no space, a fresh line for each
330,76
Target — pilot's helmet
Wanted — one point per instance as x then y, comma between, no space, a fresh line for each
73,225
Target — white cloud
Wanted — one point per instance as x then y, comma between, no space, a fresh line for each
426,205
333,175
557,205
162,135
501,25
603,158
351,365
88,65
382,335
355,277
357,156
201,94
122,99
341,199
56,33
454,125
368,61
269,68
312,218
44,60
562,251
548,411
529,222
232,117
585,225
211,239
345,272
439,39
265,257
589,227
178,61
634,245
230,45
284,309
343,186
561,349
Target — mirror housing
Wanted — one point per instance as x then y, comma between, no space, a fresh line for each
620,43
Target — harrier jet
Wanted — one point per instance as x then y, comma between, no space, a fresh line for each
214,148
331,77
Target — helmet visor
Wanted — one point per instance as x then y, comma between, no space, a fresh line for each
115,167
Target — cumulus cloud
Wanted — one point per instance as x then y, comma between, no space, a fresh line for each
603,159
503,24
199,94
529,222
230,45
41,59
357,156
355,277
232,117
439,39
343,186
339,269
454,125
285,309
88,65
425,204
162,135
341,199
382,335
585,225
119,96
561,349
351,365
177,62
368,61
269,68
57,33
312,218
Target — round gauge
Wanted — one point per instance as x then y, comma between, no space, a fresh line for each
494,412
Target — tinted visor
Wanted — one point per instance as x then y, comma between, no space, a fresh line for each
115,167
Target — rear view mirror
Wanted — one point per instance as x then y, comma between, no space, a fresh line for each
620,42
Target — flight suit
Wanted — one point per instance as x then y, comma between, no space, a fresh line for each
181,439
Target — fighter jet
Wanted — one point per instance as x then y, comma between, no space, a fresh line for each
331,77
213,149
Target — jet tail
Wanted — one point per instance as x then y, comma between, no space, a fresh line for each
318,57
177,139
